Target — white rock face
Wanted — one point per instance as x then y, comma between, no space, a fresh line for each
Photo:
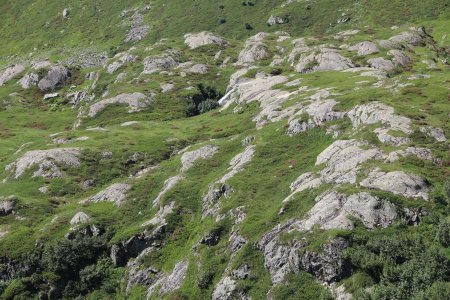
47,162
436,133
376,112
9,73
168,185
252,53
238,163
302,183
195,40
224,289
332,210
170,282
79,218
29,80
342,160
188,159
397,182
365,48
135,102
116,193
326,60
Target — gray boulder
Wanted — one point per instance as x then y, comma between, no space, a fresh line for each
135,102
7,205
436,133
274,20
29,80
253,53
10,72
116,193
55,77
381,64
325,60
157,63
196,40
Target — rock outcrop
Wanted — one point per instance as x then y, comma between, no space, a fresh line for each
365,48
10,72
397,182
7,205
189,158
135,102
325,60
47,162
116,193
56,77
29,80
196,40
158,63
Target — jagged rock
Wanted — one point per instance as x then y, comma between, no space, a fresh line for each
328,266
195,40
47,161
211,239
7,205
138,30
198,69
188,159
170,282
436,133
376,112
397,182
253,53
365,48
157,63
241,273
212,197
342,160
237,241
55,77
121,60
412,216
381,63
116,193
89,230
77,97
326,60
79,218
332,211
168,185
29,80
135,102
10,72
227,289
138,276
274,20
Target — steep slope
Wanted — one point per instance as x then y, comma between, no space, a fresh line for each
307,161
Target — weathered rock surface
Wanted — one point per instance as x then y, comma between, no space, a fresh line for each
79,218
253,53
29,80
55,77
168,185
188,159
195,40
7,205
170,282
342,160
325,60
381,63
407,37
332,211
116,193
227,289
121,60
157,63
160,217
47,162
422,153
198,69
135,102
436,133
10,72
138,29
274,20
397,182
365,48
